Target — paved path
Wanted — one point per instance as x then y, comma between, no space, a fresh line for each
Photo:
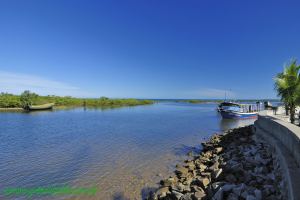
280,114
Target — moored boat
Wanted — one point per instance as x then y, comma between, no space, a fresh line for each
238,115
230,110
41,107
225,105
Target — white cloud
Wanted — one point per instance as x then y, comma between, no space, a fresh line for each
16,83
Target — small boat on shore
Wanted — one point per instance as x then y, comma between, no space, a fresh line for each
230,110
47,106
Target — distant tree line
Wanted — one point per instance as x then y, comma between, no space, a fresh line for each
28,98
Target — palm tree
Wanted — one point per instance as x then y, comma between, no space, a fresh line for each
287,84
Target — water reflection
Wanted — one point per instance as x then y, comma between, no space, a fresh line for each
226,124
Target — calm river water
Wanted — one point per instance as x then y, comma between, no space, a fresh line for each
123,152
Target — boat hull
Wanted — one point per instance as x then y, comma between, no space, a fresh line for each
41,107
238,115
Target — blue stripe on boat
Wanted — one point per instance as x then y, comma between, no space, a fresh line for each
237,115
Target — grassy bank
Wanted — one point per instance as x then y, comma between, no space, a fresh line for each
15,101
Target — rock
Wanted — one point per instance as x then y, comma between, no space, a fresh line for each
228,187
209,193
176,195
215,166
206,174
216,185
258,194
204,182
232,196
179,187
202,167
259,179
207,154
238,190
190,165
271,176
244,168
188,181
216,158
216,138
218,150
181,171
162,192
248,165
195,188
182,188
251,161
204,160
201,181
151,196
264,170
168,182
262,160
186,196
218,195
250,197
198,195
271,197
237,167
244,194
230,178
207,146
217,173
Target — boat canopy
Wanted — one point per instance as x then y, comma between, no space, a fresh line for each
229,104
237,107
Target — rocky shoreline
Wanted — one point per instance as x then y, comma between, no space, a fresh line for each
232,166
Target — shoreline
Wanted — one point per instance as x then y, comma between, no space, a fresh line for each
11,110
61,107
233,165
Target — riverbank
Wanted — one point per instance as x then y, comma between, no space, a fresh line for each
234,165
11,109
62,107
11,102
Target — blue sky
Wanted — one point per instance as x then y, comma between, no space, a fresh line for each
147,48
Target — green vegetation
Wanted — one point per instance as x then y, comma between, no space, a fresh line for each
10,101
28,98
287,85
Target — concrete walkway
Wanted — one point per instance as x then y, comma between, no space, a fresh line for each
280,114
